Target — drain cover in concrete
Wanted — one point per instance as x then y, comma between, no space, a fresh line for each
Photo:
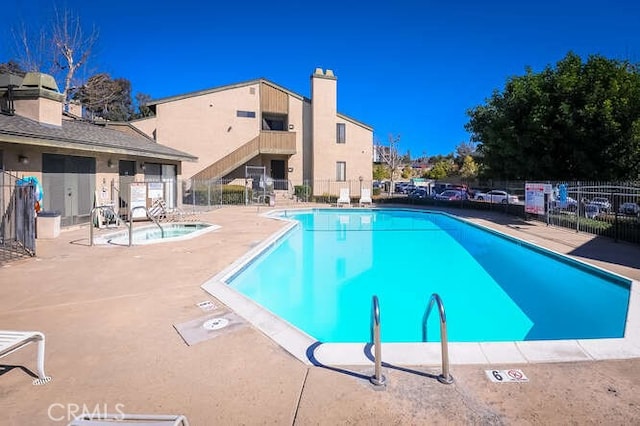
213,325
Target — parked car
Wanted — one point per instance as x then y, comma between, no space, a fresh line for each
592,211
601,202
569,204
631,209
496,196
399,186
419,193
451,195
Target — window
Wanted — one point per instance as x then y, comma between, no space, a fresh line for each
276,122
341,171
248,114
341,133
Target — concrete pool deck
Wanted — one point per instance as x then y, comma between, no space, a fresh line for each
108,314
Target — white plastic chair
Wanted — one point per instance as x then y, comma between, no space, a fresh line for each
365,197
344,198
129,420
11,341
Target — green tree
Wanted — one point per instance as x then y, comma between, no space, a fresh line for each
440,170
407,171
577,120
380,172
107,98
469,168
141,100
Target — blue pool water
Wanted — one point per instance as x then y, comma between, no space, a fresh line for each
152,234
322,275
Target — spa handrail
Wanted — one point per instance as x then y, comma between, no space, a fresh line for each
153,219
445,377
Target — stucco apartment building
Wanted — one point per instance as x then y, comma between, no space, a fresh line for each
259,123
80,164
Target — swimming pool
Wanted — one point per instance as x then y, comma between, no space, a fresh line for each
152,234
321,276
309,350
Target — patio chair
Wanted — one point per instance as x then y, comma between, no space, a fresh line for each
365,197
129,420
11,341
160,211
344,198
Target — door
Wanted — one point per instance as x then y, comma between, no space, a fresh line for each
127,174
278,175
69,186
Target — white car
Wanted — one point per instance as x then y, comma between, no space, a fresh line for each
496,196
602,202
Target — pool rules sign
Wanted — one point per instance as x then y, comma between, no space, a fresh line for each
506,376
534,197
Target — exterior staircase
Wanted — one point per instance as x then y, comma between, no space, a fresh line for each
267,142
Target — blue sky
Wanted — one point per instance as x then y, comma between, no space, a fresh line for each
404,67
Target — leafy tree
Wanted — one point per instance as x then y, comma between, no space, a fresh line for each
141,100
577,120
440,170
106,98
380,172
469,168
407,171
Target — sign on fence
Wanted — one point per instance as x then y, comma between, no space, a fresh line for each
534,197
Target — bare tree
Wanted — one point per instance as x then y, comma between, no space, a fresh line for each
32,48
390,156
72,46
60,48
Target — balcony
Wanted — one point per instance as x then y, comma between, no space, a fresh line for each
277,142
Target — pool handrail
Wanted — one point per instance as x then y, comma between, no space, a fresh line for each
445,378
153,219
378,378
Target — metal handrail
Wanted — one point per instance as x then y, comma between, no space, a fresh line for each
153,219
445,377
378,378
93,210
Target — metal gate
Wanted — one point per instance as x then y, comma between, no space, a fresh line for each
17,229
258,187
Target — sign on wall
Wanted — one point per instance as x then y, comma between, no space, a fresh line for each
138,192
534,197
156,190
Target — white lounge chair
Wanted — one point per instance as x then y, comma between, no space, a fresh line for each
129,420
344,198
11,341
365,197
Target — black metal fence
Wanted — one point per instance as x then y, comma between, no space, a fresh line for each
17,229
610,209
